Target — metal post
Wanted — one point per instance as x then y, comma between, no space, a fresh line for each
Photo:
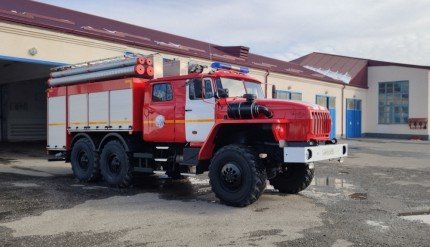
1,112
3,124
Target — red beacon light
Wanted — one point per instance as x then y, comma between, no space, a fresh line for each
227,66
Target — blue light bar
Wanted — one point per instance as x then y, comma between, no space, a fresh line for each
244,70
227,66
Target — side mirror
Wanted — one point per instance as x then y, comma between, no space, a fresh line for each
222,93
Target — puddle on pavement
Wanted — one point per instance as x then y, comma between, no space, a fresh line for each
415,212
331,182
185,189
358,196
5,161
24,185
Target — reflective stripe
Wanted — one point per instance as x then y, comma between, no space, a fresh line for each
56,124
181,121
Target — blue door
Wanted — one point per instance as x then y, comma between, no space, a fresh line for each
353,118
330,103
333,122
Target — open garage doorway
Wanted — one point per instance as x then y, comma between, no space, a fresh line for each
23,100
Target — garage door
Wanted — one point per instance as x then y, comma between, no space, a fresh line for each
24,106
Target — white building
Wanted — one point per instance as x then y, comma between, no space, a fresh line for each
395,102
36,37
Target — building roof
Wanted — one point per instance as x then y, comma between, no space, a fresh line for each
69,21
350,70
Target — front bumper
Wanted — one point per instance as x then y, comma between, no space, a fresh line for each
315,153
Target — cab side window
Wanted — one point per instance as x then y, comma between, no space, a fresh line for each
195,89
162,92
208,89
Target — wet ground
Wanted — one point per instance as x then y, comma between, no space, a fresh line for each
380,196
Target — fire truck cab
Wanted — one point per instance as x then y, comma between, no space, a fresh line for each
219,121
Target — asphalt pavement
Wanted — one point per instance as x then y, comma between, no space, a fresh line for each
380,196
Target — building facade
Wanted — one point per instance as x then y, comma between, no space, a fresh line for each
36,37
394,102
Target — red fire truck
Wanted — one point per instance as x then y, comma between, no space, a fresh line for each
110,119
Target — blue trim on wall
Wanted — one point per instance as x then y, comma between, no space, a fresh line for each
27,60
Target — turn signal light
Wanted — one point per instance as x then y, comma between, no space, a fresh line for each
279,131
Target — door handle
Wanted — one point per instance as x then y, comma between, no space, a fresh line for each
188,110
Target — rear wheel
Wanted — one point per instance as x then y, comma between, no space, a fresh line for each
293,178
115,165
236,175
85,164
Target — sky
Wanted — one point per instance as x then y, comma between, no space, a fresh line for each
389,30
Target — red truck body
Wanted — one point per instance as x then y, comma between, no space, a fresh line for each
181,122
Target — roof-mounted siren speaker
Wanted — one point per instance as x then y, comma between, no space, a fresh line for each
196,68
227,66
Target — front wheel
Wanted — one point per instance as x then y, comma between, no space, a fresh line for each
236,175
293,178
115,165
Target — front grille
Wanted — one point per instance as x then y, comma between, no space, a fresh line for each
321,123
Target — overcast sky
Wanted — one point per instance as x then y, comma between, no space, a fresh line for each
391,30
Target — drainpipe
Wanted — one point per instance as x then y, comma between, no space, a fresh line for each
343,110
266,81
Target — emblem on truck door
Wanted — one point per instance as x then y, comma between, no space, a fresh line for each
159,121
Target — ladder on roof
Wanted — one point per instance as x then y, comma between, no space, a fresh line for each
126,55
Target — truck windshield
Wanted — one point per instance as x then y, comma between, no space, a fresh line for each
237,88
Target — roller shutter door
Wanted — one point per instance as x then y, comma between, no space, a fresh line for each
25,111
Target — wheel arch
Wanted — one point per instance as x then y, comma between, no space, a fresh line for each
81,136
228,133
114,136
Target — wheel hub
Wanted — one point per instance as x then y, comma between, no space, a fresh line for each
114,164
83,160
231,175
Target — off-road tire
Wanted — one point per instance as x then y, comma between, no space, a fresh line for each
252,174
84,160
294,179
115,165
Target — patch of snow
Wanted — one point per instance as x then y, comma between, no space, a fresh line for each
198,181
378,224
421,218
345,77
25,184
95,187
342,243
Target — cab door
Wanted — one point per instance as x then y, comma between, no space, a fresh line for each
159,113
199,109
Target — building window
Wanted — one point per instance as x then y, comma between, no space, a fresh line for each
281,94
327,101
162,92
393,102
